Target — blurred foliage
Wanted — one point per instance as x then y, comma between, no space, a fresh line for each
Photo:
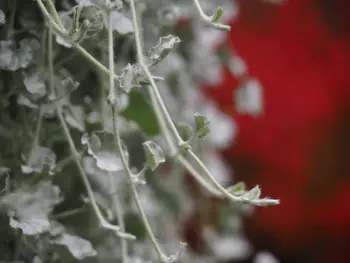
45,215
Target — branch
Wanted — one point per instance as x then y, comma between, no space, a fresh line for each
212,20
166,123
112,100
103,222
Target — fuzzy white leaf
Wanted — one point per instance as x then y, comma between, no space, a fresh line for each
78,247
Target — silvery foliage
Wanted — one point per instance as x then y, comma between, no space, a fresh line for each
41,197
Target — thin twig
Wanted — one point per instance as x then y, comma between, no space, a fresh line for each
116,203
68,213
119,213
209,19
113,100
157,102
166,123
230,196
54,13
144,219
48,17
62,32
103,222
12,19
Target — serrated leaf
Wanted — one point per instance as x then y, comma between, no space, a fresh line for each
252,194
132,76
78,247
154,154
202,125
163,48
129,77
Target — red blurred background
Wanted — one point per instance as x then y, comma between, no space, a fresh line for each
299,149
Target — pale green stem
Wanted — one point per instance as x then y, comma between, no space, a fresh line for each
103,222
185,163
116,203
157,101
144,219
54,13
112,100
12,19
163,116
166,122
69,213
87,55
119,212
48,17
222,189
208,19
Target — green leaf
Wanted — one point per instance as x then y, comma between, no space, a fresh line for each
185,130
140,112
202,125
154,154
134,226
238,188
218,14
